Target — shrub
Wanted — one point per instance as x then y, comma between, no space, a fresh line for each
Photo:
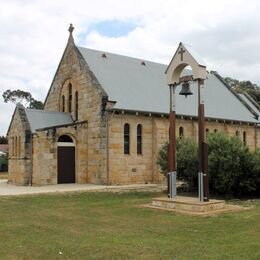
233,169
187,160
230,165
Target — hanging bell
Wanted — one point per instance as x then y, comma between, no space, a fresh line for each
185,90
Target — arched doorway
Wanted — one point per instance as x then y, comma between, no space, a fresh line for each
66,160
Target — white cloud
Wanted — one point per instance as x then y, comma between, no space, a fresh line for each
34,35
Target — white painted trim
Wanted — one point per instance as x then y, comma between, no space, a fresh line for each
65,144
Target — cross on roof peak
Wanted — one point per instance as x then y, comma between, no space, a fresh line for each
181,52
71,28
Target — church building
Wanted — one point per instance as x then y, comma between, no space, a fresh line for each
105,118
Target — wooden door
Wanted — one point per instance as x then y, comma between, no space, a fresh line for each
66,164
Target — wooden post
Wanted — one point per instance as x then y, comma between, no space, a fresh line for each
203,151
172,136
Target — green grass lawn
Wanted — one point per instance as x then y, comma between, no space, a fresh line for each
112,226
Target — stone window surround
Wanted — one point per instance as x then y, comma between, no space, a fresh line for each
139,133
65,93
126,138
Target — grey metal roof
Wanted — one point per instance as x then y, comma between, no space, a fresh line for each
143,88
249,103
41,118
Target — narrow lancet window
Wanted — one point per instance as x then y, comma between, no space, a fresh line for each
181,132
126,139
70,98
76,105
139,139
244,137
63,103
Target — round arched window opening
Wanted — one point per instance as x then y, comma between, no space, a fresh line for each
65,139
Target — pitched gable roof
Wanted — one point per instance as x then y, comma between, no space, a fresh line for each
139,85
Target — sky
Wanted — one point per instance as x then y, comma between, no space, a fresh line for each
34,33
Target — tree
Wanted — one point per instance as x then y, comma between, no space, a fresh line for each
22,97
244,86
3,140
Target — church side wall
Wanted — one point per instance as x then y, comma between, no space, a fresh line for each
130,168
133,168
19,140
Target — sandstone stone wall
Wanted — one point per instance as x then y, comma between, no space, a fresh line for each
19,139
73,69
45,151
130,168
134,168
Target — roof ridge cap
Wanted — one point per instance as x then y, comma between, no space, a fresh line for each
122,55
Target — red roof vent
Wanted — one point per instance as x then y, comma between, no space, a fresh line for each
143,63
104,55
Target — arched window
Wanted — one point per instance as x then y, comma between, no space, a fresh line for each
237,133
65,139
15,146
63,103
139,138
126,139
70,98
181,132
207,131
244,137
215,130
76,105
19,146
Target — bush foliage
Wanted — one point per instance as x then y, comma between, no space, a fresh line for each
233,169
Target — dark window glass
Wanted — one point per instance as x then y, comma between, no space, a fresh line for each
244,137
181,132
76,105
126,139
65,138
15,146
63,103
139,139
70,98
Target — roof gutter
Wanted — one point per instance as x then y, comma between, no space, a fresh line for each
166,115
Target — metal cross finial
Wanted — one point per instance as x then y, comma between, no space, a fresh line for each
181,53
71,28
